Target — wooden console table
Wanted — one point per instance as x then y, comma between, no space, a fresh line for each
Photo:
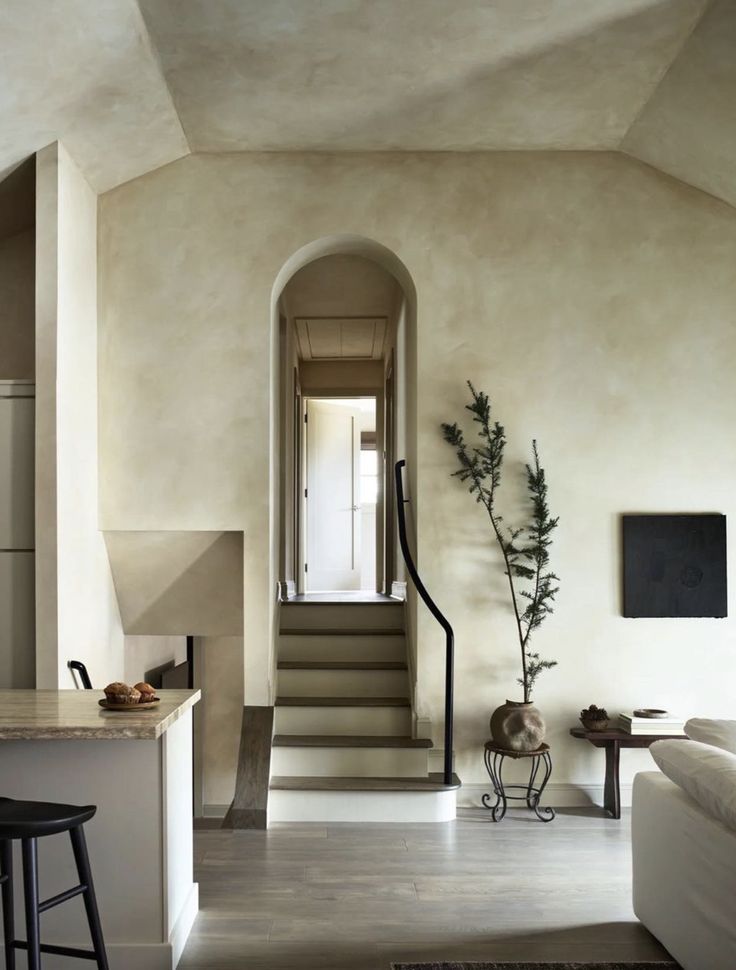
613,740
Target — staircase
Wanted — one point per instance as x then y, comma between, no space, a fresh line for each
343,749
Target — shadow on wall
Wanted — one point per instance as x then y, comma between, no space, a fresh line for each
177,583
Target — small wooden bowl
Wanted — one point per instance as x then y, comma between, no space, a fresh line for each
591,725
146,705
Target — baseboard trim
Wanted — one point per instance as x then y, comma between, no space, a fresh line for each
556,794
398,591
215,811
423,729
287,589
183,926
142,956
560,794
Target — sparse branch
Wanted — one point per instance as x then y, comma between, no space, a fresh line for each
525,561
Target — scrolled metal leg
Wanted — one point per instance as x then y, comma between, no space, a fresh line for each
531,794
543,814
494,763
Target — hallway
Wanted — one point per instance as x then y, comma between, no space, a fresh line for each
349,897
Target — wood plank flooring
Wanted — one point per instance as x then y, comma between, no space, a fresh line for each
357,897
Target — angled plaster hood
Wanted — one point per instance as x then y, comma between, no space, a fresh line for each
178,583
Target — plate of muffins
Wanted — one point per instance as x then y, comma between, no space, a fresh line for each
123,697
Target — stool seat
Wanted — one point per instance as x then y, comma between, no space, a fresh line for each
31,820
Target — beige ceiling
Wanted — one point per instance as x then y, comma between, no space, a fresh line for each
130,86
688,128
342,307
83,71
414,74
340,338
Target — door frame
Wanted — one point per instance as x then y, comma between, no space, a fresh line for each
377,393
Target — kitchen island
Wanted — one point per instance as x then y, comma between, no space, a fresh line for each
137,768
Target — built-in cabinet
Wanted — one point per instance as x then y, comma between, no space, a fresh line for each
17,426
17,540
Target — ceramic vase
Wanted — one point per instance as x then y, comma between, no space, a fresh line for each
517,726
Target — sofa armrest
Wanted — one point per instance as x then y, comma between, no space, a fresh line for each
684,869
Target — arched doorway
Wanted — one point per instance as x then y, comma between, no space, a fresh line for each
344,318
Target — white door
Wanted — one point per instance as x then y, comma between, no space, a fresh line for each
333,503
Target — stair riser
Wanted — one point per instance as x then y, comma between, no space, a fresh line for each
342,647
341,616
394,721
343,683
350,762
330,806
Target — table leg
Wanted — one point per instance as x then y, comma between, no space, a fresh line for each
612,788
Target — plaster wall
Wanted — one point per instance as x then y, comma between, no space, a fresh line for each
220,675
146,653
78,616
590,295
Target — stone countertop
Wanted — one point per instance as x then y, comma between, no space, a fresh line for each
75,715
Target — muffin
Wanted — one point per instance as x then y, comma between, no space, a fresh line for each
147,692
120,693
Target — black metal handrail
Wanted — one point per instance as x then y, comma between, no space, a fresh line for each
436,613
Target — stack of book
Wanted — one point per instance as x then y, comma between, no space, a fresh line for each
651,725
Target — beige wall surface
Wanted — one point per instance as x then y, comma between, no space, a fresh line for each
78,616
17,305
144,653
187,583
220,676
592,297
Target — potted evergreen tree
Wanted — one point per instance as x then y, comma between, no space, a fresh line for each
516,725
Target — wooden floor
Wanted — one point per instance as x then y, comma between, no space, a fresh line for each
349,897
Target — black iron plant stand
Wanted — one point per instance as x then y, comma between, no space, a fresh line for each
531,794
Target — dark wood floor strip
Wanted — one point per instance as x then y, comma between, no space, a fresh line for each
342,632
342,702
348,741
432,783
341,665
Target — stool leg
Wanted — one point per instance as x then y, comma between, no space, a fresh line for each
6,869
79,845
30,889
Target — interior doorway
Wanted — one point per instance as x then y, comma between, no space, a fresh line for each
341,494
343,325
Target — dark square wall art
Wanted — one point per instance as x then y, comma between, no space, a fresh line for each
675,565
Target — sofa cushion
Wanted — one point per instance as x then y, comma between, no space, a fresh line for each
706,773
718,732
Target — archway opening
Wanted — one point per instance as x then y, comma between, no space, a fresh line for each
344,312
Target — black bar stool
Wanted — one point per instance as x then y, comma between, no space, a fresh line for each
82,671
29,821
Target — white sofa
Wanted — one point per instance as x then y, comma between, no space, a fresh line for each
684,846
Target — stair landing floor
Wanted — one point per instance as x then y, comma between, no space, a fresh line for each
346,596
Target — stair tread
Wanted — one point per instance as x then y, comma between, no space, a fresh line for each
360,701
341,665
321,599
360,632
431,783
348,741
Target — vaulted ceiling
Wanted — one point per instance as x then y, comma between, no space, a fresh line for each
129,87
